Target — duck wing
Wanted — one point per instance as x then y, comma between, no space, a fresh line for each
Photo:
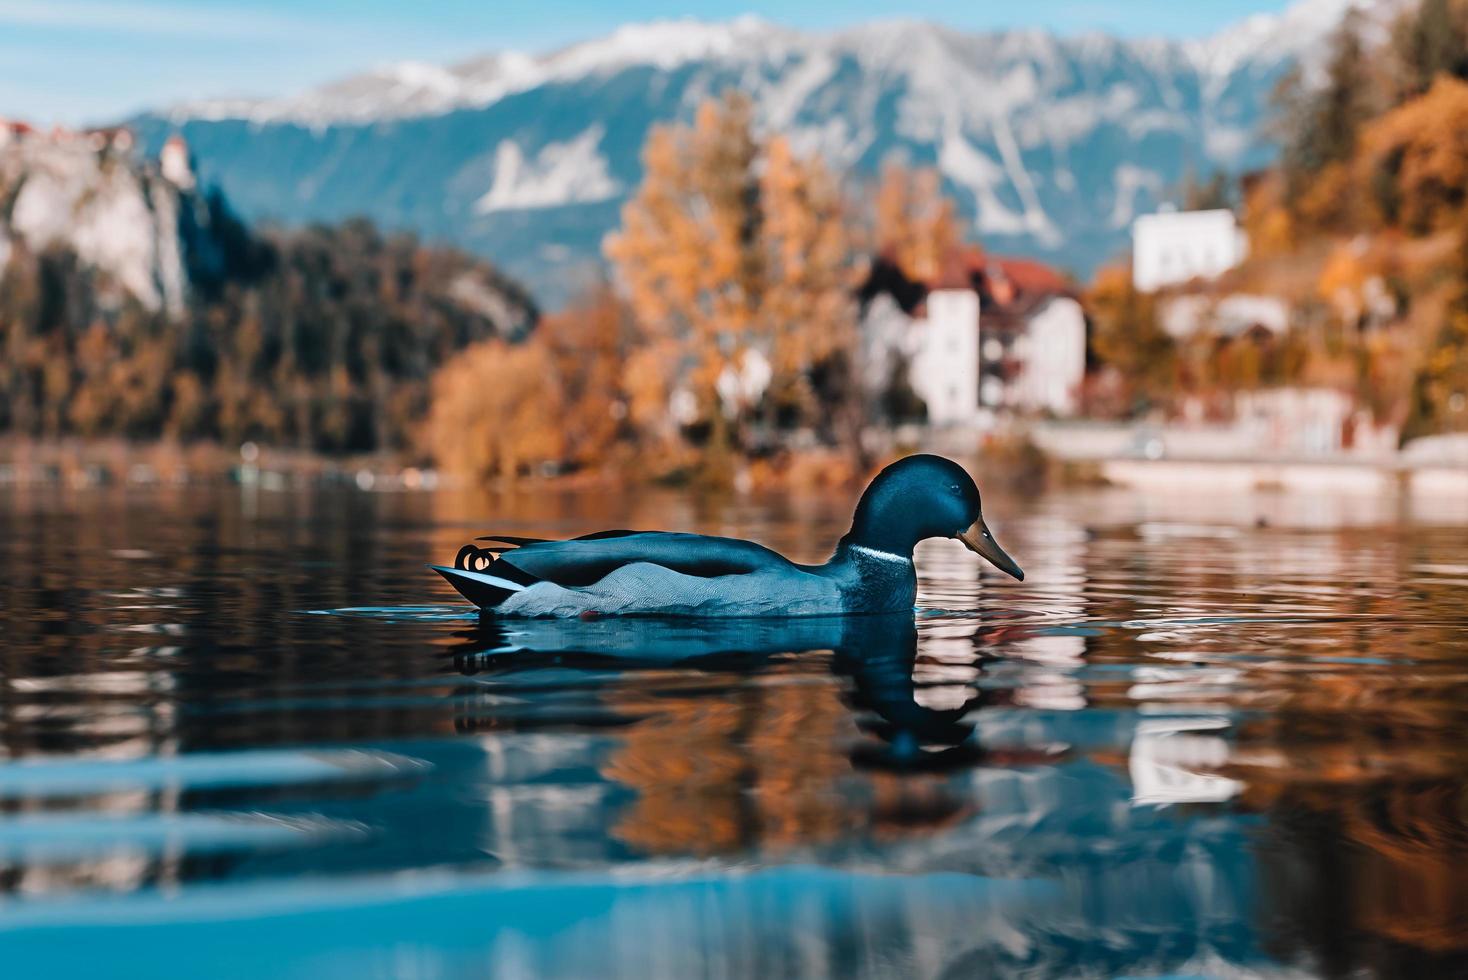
583,561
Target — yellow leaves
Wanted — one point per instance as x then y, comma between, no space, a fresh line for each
646,380
733,243
585,390
1414,159
1111,281
1127,336
1344,273
1327,201
1271,232
495,411
808,307
915,223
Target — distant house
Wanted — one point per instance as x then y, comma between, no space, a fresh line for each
176,163
990,334
113,139
1311,422
13,130
1231,315
1174,247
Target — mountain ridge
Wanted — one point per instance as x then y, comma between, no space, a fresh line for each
1050,144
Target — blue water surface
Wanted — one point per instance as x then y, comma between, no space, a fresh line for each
249,734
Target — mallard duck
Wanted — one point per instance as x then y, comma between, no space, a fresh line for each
663,573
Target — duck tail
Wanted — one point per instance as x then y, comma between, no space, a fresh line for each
484,590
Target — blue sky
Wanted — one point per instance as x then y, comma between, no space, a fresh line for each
75,61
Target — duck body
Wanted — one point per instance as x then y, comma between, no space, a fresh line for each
662,573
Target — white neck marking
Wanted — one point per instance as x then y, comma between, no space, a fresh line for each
882,555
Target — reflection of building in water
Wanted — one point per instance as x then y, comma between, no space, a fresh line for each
86,704
1055,642
533,815
1168,763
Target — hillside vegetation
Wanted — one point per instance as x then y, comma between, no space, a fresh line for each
1360,227
186,324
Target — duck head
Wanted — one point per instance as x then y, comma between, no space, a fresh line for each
922,497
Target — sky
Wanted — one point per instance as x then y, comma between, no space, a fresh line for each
95,61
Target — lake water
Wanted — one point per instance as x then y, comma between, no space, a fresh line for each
249,733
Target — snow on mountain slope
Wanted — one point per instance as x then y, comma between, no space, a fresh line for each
1050,144
573,172
414,88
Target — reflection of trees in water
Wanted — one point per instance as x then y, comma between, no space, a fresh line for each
1364,853
159,625
172,620
1339,704
1352,885
1361,772
758,765
761,761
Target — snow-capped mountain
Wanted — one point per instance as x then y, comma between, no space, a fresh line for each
1050,144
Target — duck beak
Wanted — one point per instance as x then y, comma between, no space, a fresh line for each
978,540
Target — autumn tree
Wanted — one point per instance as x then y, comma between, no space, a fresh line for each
1414,159
1128,337
687,251
914,223
1318,125
562,399
1205,195
588,343
1439,400
734,244
1429,40
808,305
495,411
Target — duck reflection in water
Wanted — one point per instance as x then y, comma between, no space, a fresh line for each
878,654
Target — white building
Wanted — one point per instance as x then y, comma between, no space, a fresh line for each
1173,247
1305,422
1182,317
945,363
1053,352
996,335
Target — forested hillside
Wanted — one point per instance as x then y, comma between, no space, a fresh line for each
200,328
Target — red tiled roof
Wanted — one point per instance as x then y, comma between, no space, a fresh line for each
958,268
1031,276
1010,287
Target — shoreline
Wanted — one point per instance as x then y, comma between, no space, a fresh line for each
1305,476
103,463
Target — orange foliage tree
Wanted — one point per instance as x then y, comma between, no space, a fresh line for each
914,222
1129,338
1414,159
495,411
560,399
1439,401
734,244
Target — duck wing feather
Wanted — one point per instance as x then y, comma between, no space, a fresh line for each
583,561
